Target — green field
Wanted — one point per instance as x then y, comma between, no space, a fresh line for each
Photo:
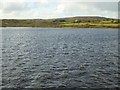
89,25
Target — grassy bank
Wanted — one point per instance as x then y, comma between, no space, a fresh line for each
89,25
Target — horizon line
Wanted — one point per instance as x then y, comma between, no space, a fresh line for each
64,17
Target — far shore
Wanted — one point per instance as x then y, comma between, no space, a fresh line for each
69,22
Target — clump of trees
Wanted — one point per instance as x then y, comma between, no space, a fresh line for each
59,20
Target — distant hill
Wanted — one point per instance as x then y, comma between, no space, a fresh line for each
60,22
85,18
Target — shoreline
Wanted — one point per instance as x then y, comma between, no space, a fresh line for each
68,27
70,22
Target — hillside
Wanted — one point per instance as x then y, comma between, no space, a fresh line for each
79,22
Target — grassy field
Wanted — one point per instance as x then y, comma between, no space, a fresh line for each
89,25
73,22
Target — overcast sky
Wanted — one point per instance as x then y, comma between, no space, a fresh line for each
43,9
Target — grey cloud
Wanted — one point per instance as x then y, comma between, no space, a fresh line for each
19,7
92,8
26,9
108,6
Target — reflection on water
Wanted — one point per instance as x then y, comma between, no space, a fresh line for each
40,58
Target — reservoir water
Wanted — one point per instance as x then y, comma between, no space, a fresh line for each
56,57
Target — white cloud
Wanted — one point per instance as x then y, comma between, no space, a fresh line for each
43,1
109,9
57,8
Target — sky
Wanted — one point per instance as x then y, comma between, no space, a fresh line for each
45,9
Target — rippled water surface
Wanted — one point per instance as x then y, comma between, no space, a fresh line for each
49,57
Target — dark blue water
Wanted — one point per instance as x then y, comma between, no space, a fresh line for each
51,57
